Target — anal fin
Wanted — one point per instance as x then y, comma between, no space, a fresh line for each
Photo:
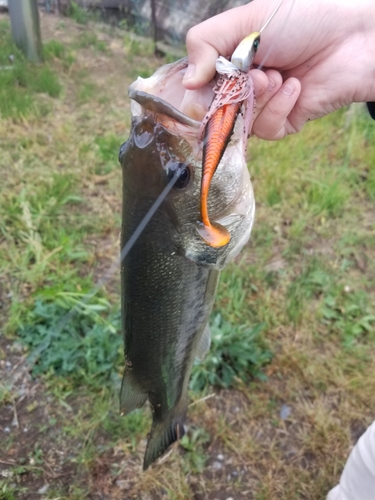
131,397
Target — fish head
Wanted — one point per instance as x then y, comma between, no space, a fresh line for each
164,155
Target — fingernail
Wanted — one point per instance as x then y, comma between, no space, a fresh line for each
190,72
271,84
288,89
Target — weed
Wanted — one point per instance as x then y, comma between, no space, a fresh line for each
328,197
86,92
7,492
74,337
350,315
311,283
79,14
35,220
236,352
129,429
90,39
136,46
193,443
108,149
54,49
22,79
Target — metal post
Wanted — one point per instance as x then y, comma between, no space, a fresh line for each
24,17
154,26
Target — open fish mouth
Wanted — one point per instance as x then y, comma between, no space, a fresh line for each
164,93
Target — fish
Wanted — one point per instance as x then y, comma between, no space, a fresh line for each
169,277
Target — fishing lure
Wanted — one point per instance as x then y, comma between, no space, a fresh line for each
233,94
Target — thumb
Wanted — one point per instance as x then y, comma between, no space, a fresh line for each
202,58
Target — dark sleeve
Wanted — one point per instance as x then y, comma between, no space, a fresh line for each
371,109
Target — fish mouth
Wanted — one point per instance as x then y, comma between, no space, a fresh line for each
160,106
165,94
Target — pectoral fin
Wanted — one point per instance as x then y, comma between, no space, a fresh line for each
204,343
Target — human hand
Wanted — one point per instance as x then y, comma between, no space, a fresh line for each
321,54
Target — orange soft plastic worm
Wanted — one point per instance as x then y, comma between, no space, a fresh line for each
217,135
234,92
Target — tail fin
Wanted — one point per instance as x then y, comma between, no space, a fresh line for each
162,435
131,396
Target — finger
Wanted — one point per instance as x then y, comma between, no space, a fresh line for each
206,41
261,83
274,83
272,122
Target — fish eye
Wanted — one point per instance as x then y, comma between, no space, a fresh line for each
184,174
256,44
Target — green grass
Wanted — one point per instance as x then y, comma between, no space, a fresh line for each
89,39
236,353
78,14
73,337
20,83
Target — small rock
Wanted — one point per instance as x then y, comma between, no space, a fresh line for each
229,498
6,473
290,454
123,484
217,466
347,289
43,489
220,457
17,347
285,412
6,430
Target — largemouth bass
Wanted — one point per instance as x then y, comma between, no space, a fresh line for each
170,276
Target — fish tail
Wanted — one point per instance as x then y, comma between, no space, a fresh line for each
163,434
131,396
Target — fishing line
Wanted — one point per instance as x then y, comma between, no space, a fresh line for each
102,281
269,51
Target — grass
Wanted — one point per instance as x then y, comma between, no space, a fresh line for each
294,317
21,81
